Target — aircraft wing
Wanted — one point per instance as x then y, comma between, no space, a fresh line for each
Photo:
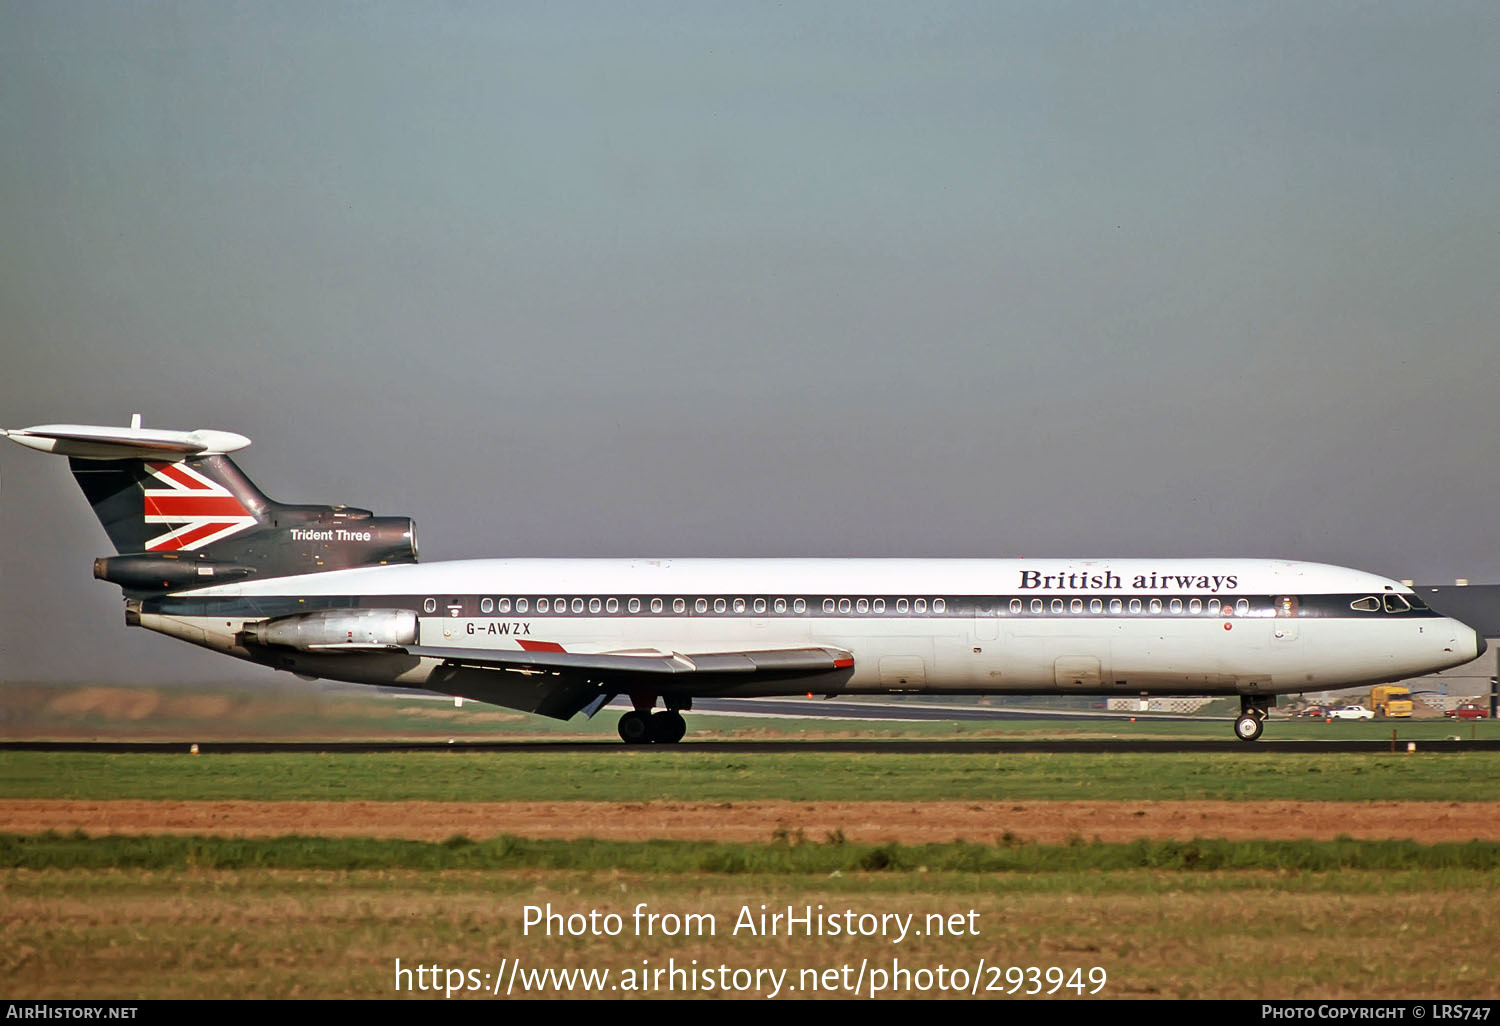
654,665
558,683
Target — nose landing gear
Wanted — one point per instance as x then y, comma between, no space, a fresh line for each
1252,719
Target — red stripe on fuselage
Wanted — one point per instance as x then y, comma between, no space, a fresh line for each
541,646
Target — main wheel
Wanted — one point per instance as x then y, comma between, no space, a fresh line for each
667,728
635,729
1248,727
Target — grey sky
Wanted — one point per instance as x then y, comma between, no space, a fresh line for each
744,279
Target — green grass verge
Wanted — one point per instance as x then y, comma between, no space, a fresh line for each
79,851
687,775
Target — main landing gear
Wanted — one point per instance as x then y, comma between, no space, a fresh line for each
1252,719
643,727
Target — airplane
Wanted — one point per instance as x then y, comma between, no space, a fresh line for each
202,555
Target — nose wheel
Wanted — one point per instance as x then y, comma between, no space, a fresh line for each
1252,719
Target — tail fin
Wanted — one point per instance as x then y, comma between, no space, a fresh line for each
181,514
157,506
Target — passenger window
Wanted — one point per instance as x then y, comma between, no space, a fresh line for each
939,605
779,606
1115,605
843,605
920,605
634,605
1195,606
1156,605
678,605
559,605
594,604
1135,605
879,605
505,605
1396,604
1076,605
902,605
612,606
486,605
1096,606
1176,605
1242,607
1015,605
1057,605
799,606
719,605
1213,607
760,605
828,605
541,605
862,606
739,605
578,605
701,605
429,605
521,605
1036,605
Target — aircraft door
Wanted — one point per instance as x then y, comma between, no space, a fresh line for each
986,623
1284,623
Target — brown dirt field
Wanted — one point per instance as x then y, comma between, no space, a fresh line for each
905,822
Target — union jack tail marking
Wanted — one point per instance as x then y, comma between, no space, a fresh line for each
204,510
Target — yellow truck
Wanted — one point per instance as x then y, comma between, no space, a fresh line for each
1390,700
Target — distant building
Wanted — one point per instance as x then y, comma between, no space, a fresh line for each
1167,704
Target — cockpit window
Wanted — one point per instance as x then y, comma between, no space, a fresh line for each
1368,604
1416,603
1396,604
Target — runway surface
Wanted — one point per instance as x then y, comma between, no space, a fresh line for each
857,709
1229,746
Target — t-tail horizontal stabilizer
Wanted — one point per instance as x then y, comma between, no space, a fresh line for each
97,442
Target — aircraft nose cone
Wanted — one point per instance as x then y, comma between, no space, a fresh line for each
1467,640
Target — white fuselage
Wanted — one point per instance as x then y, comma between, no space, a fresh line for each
977,626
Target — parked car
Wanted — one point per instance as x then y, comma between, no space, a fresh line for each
1313,712
1468,711
1351,712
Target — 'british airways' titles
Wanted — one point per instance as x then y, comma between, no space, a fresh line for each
1110,581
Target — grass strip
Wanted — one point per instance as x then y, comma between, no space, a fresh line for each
79,851
622,774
